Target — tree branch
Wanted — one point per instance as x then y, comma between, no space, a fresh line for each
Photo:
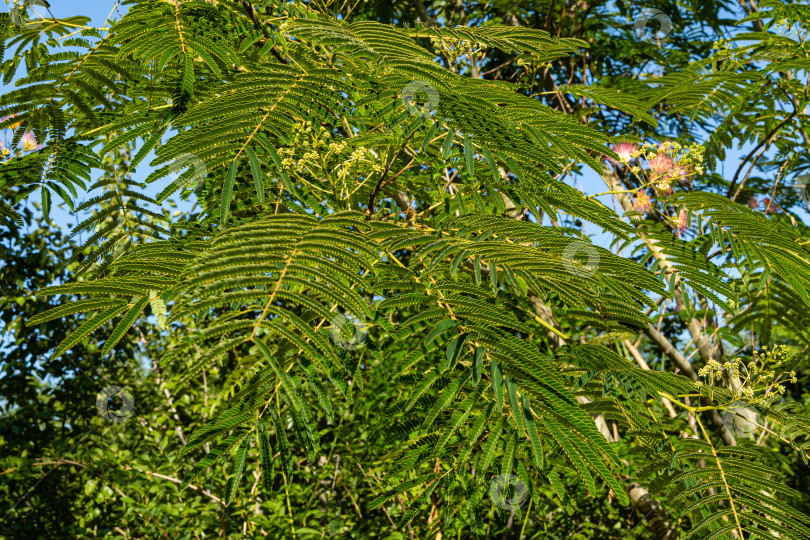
382,181
684,365
656,516
259,26
423,14
669,349
763,146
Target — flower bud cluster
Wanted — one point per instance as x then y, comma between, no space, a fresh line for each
734,56
451,48
759,378
314,150
721,46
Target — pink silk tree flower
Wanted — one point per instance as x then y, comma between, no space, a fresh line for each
642,203
753,203
28,142
683,173
625,151
661,164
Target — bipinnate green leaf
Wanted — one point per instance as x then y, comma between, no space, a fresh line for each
236,470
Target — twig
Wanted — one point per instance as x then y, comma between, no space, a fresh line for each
252,15
352,498
382,181
372,487
176,481
765,141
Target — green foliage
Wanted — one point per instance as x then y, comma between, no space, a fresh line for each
383,236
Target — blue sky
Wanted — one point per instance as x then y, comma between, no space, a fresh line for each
98,11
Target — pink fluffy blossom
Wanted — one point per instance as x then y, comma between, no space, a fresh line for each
661,164
625,151
642,203
683,174
28,142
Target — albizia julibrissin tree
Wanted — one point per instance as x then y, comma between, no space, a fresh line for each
380,198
